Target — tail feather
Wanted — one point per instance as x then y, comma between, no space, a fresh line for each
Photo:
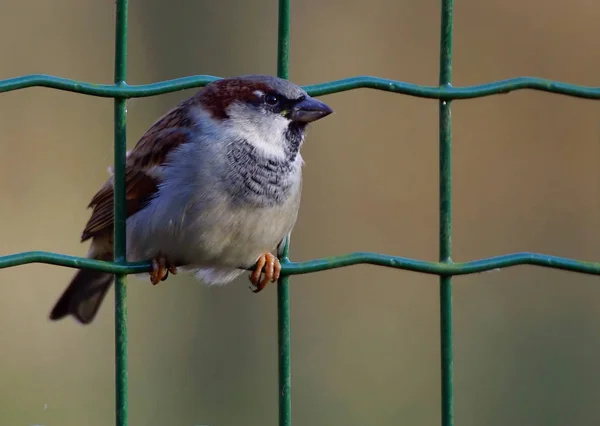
83,296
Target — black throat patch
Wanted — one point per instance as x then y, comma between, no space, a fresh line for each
257,179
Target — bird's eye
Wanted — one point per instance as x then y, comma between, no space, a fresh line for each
271,99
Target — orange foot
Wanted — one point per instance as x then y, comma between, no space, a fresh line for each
160,269
272,269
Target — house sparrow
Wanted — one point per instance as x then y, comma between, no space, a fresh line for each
213,186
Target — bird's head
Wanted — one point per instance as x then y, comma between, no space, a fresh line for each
267,112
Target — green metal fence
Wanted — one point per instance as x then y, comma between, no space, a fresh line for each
445,268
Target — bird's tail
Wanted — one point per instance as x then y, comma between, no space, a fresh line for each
83,296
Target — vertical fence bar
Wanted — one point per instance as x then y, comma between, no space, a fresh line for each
445,124
119,212
283,288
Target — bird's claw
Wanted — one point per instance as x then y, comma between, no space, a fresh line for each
160,269
271,267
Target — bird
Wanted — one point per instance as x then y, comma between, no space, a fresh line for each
213,187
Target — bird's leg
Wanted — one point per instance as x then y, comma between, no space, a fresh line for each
271,267
161,268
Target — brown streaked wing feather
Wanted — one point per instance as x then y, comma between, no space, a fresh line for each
152,150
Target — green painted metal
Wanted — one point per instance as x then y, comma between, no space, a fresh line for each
120,149
283,286
336,86
445,268
333,262
445,230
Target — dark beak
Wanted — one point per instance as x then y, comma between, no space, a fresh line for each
309,110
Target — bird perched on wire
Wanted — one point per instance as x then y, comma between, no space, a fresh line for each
213,187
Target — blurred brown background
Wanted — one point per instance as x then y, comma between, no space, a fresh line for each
365,340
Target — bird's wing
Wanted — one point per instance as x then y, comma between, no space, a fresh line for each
141,184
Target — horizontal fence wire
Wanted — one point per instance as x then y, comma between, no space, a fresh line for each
289,267
445,92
